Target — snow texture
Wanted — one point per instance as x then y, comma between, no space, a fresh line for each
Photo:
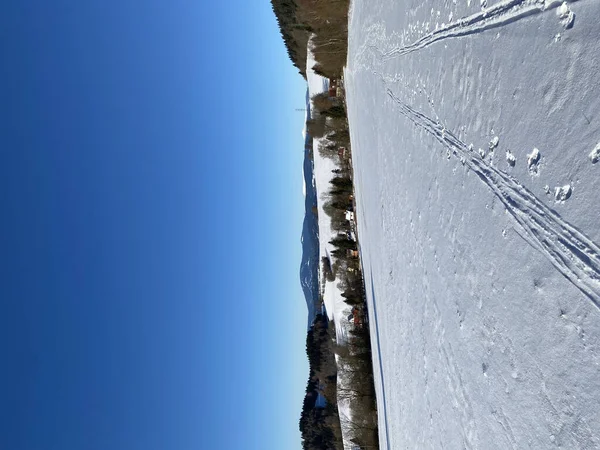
483,282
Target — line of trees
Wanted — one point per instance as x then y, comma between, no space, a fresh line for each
320,427
326,21
356,386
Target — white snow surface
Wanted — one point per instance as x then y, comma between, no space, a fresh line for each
483,288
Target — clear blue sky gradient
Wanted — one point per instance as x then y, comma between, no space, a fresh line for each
151,194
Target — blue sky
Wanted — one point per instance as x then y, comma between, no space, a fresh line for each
151,193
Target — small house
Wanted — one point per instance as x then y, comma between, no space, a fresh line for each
356,316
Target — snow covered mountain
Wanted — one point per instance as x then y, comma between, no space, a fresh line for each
309,266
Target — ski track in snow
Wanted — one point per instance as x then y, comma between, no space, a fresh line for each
501,14
571,252
379,358
470,353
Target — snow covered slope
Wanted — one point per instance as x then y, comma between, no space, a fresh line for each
474,127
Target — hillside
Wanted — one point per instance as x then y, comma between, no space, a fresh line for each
295,35
324,23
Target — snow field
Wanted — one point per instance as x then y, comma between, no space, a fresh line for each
475,149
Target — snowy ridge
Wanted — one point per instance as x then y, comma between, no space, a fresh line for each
501,14
309,266
575,255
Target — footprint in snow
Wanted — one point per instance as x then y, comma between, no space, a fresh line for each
595,154
565,15
533,161
510,158
562,193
